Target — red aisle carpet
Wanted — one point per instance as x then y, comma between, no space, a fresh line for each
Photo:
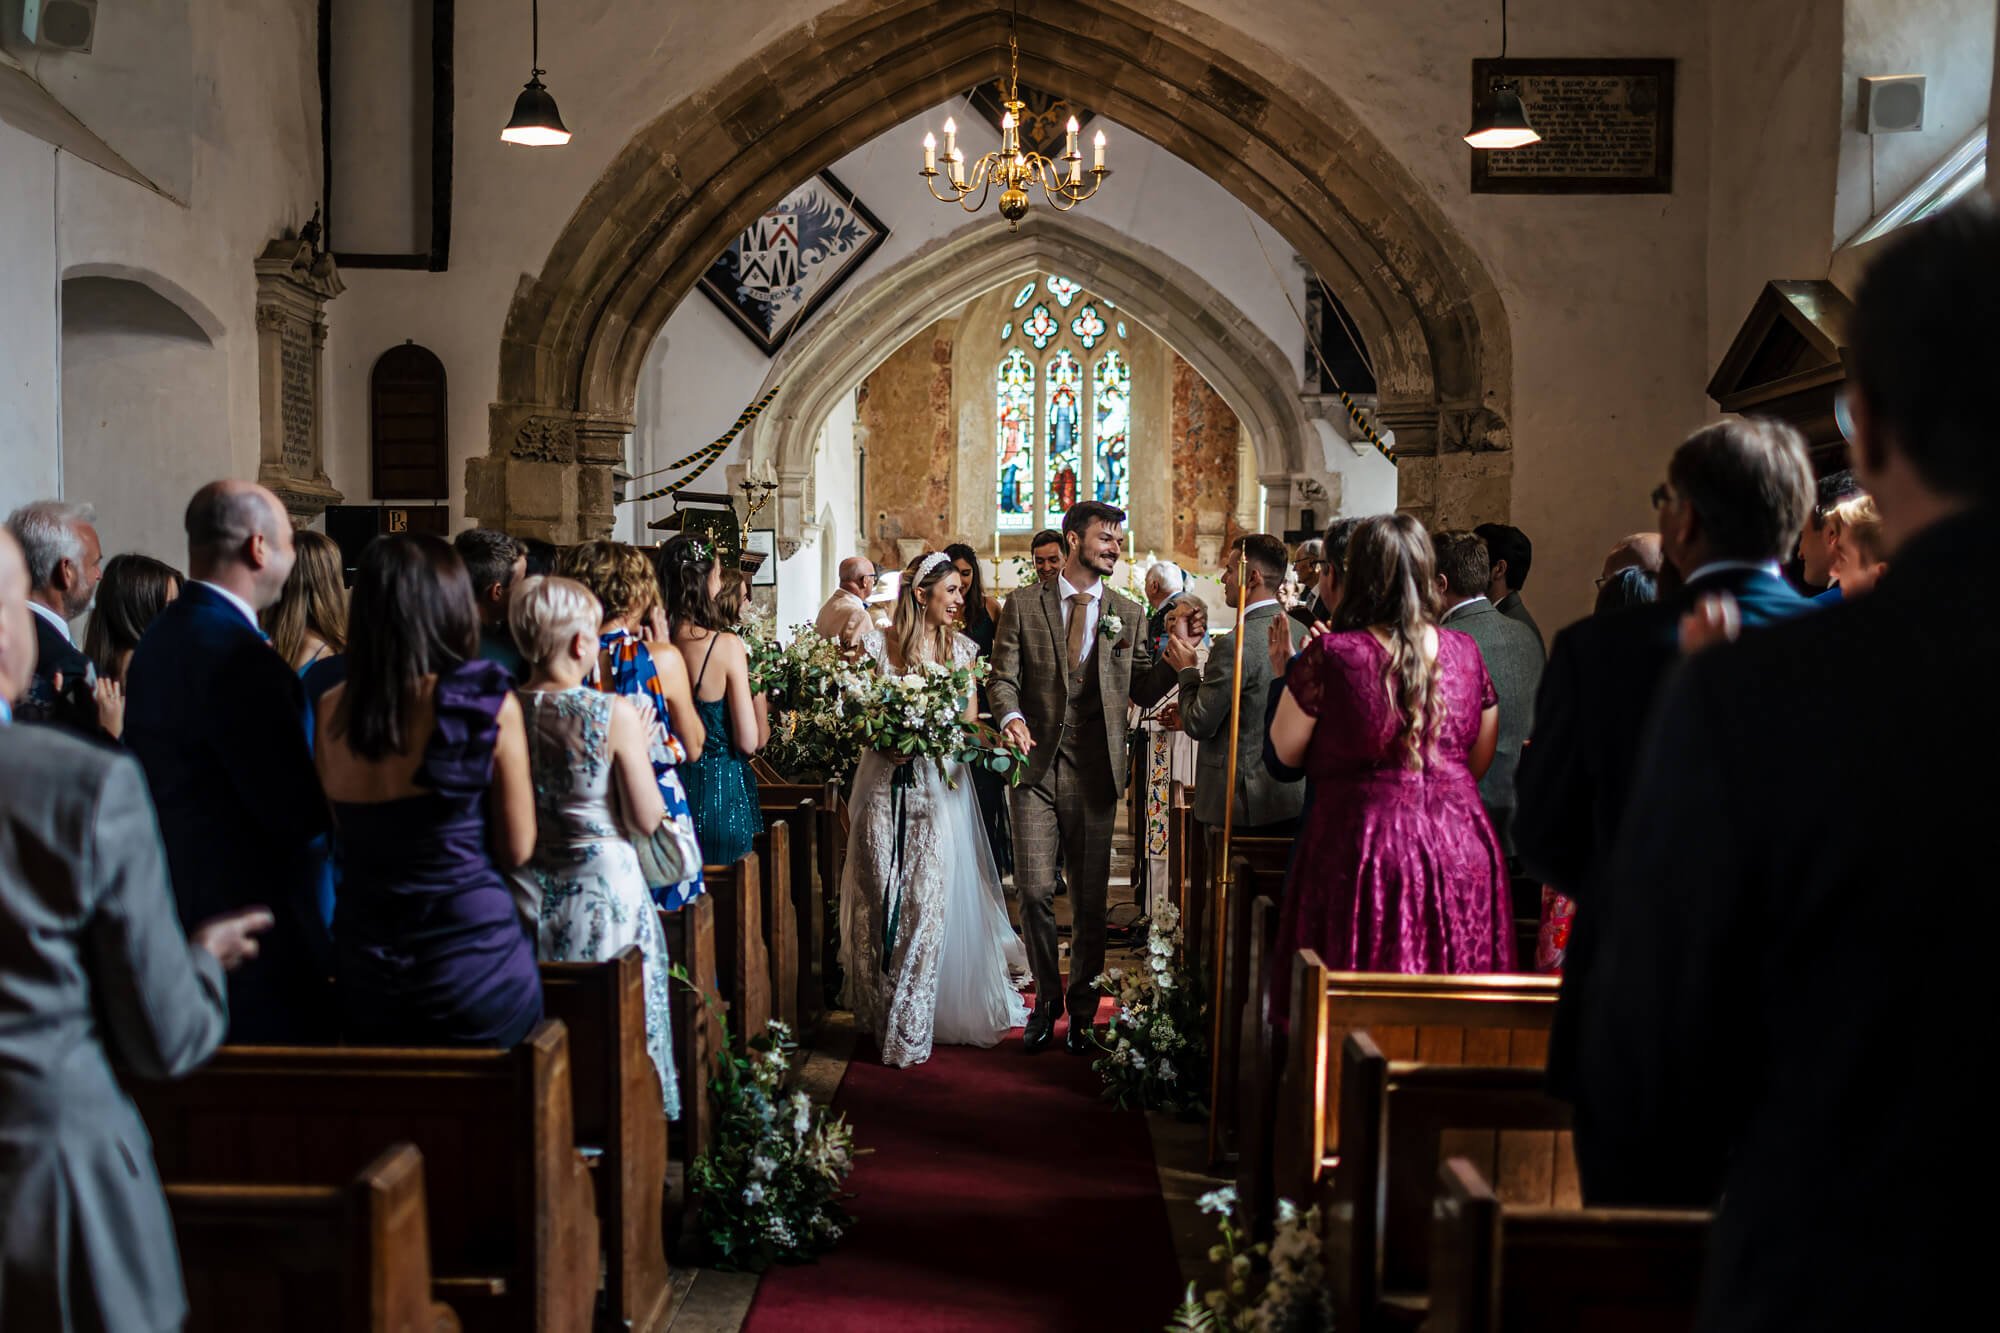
1002,1194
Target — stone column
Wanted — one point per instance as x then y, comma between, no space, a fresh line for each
295,280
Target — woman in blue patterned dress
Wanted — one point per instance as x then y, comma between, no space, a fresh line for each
582,891
646,669
721,787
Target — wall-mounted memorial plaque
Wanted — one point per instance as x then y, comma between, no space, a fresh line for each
295,280
1607,127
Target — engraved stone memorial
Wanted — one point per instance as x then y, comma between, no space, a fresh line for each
1607,127
295,280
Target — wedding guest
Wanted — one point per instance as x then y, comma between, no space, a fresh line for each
732,589
308,622
60,542
1512,654
1283,646
982,619
424,758
214,716
1816,543
1165,583
1048,550
1510,554
1753,998
1308,564
1636,550
133,592
130,597
1731,508
1264,805
1860,557
649,671
844,618
722,791
1167,769
1398,868
94,972
1634,585
539,557
590,758
495,563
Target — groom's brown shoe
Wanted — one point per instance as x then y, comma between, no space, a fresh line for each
1041,1028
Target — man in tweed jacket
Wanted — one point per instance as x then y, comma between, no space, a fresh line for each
1068,656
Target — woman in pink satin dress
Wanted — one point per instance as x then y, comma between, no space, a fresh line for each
1394,719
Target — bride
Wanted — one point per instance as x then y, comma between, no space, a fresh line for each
946,976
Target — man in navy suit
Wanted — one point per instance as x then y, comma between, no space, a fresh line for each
64,567
212,713
1794,998
1731,508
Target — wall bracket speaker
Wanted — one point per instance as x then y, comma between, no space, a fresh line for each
60,25
1892,104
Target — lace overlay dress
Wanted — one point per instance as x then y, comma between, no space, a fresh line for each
583,884
948,972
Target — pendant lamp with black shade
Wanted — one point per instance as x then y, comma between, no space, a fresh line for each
1498,118
536,122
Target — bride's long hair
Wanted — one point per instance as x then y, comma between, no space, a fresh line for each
915,641
1390,584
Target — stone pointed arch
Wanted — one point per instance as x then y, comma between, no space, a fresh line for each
837,351
1272,133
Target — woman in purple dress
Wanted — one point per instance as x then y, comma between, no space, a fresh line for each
424,758
1394,720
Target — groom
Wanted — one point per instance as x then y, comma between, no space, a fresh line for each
1068,655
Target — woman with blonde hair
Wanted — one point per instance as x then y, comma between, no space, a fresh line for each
925,942
308,622
582,892
1395,720
648,671
1854,530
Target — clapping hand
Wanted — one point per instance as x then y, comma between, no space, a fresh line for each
1179,653
1715,619
232,937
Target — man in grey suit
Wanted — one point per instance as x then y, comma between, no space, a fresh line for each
93,967
1265,804
1509,554
1068,656
1513,655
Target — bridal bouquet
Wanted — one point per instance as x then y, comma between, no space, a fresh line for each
1156,1045
921,713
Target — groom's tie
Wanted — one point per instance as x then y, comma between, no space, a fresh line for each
1079,607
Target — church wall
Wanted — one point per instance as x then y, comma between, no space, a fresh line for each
905,408
30,397
1205,491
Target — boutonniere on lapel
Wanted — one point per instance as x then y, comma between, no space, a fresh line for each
1111,625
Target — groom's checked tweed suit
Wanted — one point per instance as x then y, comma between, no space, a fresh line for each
1076,772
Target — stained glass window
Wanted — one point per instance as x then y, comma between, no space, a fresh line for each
1021,297
1063,381
1088,325
1041,326
1014,402
1111,429
1063,289
1121,329
1007,330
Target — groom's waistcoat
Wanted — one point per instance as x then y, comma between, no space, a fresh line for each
1085,745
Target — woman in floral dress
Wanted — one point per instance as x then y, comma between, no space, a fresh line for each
583,890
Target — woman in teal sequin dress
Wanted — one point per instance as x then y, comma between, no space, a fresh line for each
721,788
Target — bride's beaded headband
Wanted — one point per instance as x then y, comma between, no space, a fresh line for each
930,562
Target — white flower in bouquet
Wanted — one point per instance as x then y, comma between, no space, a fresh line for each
753,1194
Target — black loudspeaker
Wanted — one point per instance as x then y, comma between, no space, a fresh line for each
352,527
60,25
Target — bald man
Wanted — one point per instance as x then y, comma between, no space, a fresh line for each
844,618
215,717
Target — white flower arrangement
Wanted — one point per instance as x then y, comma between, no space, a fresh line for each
1292,1297
1156,1046
1111,625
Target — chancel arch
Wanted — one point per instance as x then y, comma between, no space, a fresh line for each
1273,135
824,364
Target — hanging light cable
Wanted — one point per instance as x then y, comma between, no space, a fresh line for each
536,122
1499,120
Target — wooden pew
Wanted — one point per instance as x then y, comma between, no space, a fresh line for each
1180,865
738,891
690,934
352,1258
808,907
830,846
513,1220
621,1125
1497,1268
1399,1121
781,950
1256,869
1257,1079
1500,1019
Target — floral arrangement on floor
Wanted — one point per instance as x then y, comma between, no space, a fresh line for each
1156,1045
1292,1295
816,693
770,1187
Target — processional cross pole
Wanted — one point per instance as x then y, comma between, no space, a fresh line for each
1222,878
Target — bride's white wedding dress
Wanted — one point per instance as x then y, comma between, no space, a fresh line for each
954,950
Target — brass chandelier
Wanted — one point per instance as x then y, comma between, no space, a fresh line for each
1010,167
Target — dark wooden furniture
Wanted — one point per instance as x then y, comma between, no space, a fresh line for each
779,919
1498,1268
513,1219
350,1258
808,904
620,1124
743,960
830,848
690,932
1258,1063
1256,869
